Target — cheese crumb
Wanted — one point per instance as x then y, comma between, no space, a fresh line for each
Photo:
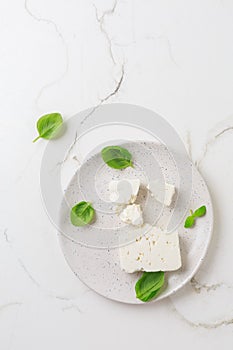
132,214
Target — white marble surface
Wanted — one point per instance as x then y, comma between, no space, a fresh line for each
174,57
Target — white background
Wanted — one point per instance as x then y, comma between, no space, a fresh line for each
174,57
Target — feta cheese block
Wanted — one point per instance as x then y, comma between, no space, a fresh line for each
124,191
151,252
163,192
132,214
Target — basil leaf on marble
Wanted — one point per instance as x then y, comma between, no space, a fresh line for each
82,214
117,157
48,126
149,285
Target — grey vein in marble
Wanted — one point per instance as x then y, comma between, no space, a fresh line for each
70,303
105,99
205,325
168,43
61,37
37,284
118,85
170,52
216,324
69,150
59,297
90,113
34,281
210,142
198,287
6,306
72,307
21,264
224,131
5,233
101,21
71,147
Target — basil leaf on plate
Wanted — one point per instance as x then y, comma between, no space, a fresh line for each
82,214
48,126
149,285
117,157
189,222
200,212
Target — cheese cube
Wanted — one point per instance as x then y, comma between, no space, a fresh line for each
163,192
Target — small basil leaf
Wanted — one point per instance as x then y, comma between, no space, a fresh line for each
200,212
149,285
189,222
117,157
48,126
82,214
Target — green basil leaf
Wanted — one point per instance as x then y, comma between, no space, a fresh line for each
149,285
117,157
189,222
48,126
200,212
82,214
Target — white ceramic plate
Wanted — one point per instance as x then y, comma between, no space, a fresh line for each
99,268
